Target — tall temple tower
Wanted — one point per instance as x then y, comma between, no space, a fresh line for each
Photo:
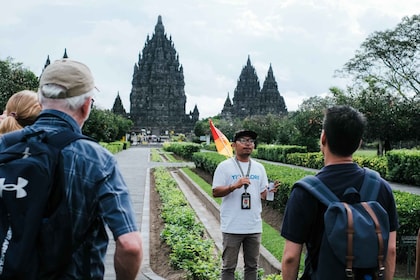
245,96
271,102
250,100
157,98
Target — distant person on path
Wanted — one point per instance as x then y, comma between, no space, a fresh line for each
241,182
303,222
95,190
22,109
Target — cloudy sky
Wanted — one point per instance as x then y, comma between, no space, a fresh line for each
305,41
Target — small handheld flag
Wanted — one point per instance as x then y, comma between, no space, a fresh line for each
223,145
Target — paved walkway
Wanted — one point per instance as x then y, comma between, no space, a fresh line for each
135,165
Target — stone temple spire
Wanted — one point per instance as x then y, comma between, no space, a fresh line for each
157,98
246,92
159,28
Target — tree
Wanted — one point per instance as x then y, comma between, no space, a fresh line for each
390,58
267,127
308,119
13,78
105,126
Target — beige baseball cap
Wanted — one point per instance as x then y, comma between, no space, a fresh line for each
70,74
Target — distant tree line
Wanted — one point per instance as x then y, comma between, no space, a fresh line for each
386,88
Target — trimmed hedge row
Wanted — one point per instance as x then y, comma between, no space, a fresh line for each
278,152
316,160
190,250
183,149
115,147
404,166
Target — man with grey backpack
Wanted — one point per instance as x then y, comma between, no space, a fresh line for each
345,215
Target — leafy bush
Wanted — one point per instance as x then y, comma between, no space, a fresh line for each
313,160
278,152
408,208
190,250
183,149
404,166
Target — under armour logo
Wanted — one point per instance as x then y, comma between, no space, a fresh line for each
20,192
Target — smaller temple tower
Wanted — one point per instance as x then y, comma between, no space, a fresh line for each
227,108
118,107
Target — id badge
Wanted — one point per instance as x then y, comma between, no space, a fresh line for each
246,201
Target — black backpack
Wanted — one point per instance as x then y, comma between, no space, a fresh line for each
356,232
35,228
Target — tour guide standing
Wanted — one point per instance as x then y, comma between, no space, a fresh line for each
95,190
242,182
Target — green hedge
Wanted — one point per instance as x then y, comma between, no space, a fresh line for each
183,149
310,160
190,249
278,152
401,166
404,166
115,147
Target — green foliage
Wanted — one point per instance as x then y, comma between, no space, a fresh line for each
103,125
376,163
408,208
404,166
207,188
390,57
183,149
155,156
278,152
114,147
207,161
313,160
190,250
287,176
14,77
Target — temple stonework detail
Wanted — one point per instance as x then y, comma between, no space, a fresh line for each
118,107
250,100
157,98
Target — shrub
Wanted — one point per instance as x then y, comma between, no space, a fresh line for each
183,149
190,250
404,166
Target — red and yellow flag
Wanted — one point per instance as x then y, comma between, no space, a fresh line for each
223,145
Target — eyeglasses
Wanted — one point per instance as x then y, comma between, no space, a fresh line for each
92,101
246,140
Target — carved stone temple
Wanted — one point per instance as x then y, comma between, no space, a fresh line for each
157,98
250,100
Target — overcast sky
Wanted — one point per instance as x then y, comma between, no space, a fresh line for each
304,41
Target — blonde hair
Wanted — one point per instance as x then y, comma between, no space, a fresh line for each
22,109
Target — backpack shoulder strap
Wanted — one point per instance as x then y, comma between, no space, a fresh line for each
65,137
318,189
371,185
12,137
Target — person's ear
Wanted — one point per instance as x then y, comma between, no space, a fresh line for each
85,109
323,138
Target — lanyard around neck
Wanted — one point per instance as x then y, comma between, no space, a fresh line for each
242,172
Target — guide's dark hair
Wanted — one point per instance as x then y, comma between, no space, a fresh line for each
344,127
